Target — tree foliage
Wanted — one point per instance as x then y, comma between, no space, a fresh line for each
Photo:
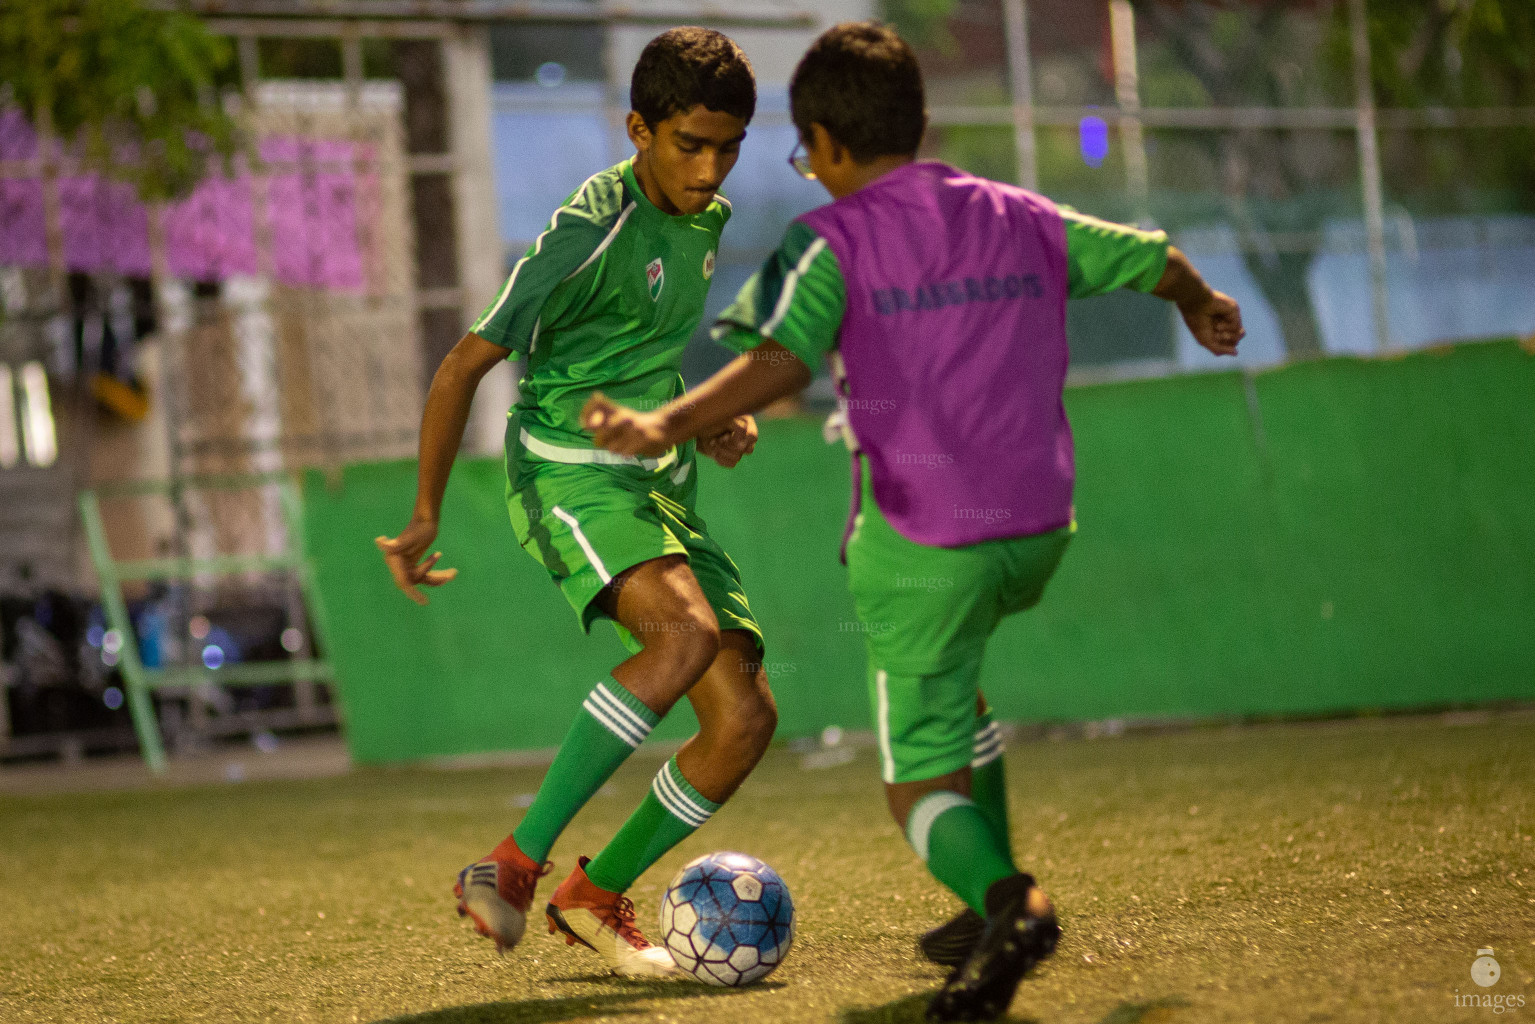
134,91
1454,52
1458,53
921,22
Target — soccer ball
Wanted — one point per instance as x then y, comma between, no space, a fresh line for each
727,919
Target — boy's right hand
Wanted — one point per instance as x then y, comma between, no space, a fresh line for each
403,555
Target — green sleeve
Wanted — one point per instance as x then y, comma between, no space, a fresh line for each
797,299
574,237
1102,256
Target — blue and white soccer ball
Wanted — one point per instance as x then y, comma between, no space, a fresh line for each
727,919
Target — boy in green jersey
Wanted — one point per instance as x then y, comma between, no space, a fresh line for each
608,297
941,298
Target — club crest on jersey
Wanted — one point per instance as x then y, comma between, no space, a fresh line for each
708,264
655,278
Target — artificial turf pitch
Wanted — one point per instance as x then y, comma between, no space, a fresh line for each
1341,871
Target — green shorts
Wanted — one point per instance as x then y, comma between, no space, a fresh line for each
586,523
926,614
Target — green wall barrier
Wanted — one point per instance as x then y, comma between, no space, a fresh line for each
1334,535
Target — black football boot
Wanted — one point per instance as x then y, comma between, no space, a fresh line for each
1013,941
951,942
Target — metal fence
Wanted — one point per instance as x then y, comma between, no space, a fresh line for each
1251,133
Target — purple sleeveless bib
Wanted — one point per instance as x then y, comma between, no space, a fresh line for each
953,351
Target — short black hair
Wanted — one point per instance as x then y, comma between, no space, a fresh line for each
861,82
683,67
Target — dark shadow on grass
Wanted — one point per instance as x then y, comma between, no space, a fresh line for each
661,989
602,1004
1157,1011
913,1010
910,1010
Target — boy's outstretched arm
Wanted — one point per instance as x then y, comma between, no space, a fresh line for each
747,383
1213,318
1102,256
783,321
442,429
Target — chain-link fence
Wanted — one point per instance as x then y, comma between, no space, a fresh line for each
1259,136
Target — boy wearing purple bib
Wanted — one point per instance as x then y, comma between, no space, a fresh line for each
940,298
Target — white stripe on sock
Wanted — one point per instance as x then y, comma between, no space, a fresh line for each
919,824
677,781
988,746
625,713
617,728
661,790
676,801
994,743
983,758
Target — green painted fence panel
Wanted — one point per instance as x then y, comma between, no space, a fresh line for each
1333,535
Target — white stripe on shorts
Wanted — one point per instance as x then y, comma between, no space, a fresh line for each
882,724
586,545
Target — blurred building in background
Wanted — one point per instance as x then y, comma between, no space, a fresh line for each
289,314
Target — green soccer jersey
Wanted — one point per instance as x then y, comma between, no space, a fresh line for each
605,299
798,298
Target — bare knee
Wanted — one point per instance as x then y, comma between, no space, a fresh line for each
744,728
759,720
684,646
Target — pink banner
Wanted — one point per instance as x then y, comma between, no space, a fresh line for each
104,225
23,227
312,204
210,235
313,197
17,139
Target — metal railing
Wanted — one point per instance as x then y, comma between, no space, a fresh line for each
140,681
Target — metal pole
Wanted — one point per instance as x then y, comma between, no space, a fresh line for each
135,681
1369,170
1127,93
351,67
249,52
615,97
1020,77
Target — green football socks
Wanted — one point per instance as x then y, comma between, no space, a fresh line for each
957,841
670,812
988,781
611,724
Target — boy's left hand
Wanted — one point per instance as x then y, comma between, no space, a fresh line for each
622,430
1215,322
733,443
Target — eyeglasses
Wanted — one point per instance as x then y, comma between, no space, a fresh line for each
800,161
